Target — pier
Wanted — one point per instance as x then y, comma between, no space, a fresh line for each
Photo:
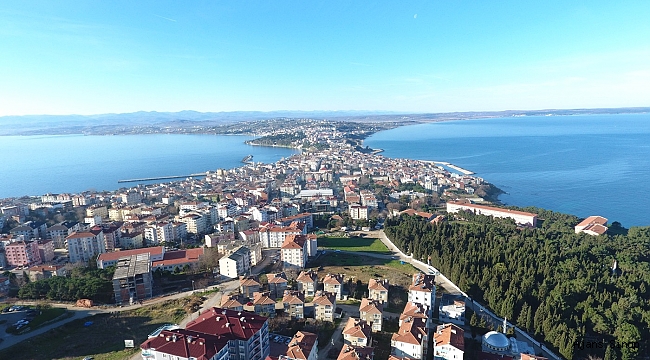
162,178
451,166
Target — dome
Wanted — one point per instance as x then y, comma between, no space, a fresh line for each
496,341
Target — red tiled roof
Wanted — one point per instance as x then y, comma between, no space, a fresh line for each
179,257
185,343
449,334
116,255
301,345
240,325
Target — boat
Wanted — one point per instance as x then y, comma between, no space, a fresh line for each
248,158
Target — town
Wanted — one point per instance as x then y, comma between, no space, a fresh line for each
273,247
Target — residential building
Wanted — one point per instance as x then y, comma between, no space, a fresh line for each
411,340
307,282
294,252
324,306
40,272
131,240
216,334
350,352
357,332
196,223
358,212
294,304
180,230
303,346
263,304
413,310
372,312
132,280
520,217
312,244
277,284
26,232
248,285
236,264
423,291
452,309
593,225
378,290
159,233
333,283
95,210
448,342
57,233
22,253
273,236
231,302
46,250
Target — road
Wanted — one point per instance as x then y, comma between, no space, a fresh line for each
447,285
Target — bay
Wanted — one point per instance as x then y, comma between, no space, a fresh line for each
36,165
581,165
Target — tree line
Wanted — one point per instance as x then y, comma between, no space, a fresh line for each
82,283
554,283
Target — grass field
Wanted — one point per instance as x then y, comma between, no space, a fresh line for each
353,244
104,339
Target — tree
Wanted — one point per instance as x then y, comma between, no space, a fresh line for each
610,354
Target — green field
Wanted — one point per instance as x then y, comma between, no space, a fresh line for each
353,244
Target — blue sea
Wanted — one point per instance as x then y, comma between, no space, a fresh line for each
35,165
581,165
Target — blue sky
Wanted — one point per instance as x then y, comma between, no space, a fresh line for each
90,57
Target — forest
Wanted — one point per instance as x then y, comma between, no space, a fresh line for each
557,285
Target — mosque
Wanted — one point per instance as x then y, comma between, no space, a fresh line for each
499,344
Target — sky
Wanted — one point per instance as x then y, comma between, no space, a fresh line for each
92,57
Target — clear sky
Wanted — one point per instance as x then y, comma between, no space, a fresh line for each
90,57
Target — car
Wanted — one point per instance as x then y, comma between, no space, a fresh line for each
287,341
337,250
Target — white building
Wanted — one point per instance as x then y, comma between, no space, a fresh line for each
158,233
358,212
520,217
448,342
411,340
294,251
423,291
83,246
236,264
273,237
452,310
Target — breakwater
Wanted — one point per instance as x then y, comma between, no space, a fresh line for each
162,178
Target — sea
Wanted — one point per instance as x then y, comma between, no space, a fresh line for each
582,165
36,165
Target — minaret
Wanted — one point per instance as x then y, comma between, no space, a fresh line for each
505,325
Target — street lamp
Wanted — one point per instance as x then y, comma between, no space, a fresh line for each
192,285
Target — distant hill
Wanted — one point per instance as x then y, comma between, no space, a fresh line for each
142,121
